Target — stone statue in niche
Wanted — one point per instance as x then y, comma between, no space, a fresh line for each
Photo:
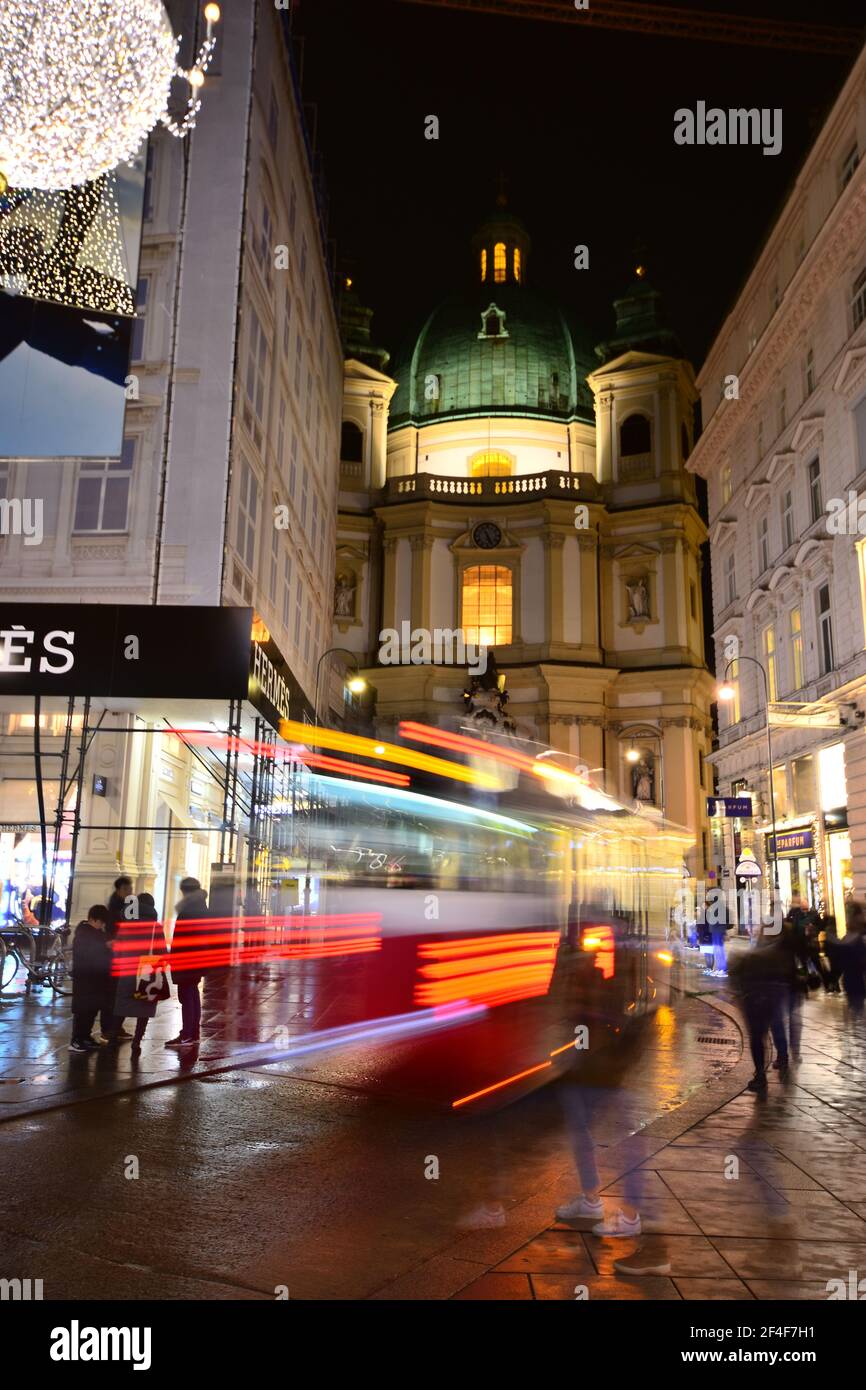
638,598
344,596
643,780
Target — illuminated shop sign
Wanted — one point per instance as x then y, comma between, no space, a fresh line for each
792,842
135,652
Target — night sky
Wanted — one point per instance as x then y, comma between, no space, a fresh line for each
580,122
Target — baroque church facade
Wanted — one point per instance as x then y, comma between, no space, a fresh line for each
504,483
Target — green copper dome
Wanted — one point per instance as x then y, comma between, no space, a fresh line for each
500,350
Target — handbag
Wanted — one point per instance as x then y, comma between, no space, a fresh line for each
152,977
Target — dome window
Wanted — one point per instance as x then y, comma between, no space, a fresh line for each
493,323
518,264
500,263
483,264
492,463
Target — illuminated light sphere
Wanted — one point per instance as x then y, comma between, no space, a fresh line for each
212,14
82,85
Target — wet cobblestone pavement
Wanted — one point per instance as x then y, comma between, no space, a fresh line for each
305,1174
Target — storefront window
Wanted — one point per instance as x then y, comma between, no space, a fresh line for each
780,792
805,792
834,790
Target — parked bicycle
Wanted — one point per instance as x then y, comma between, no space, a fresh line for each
45,953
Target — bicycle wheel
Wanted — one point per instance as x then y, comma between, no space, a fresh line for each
9,964
60,970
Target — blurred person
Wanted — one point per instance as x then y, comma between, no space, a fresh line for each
591,1088
762,977
828,942
192,908
132,1002
794,951
91,977
852,955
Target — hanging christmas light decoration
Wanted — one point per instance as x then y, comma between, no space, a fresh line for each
66,248
82,84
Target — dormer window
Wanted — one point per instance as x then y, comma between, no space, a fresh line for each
493,323
500,263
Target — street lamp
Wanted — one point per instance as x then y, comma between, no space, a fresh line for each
727,692
357,684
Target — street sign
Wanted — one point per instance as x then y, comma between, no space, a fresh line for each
740,806
802,717
748,868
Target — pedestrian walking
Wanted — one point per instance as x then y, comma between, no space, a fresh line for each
762,977
91,977
191,925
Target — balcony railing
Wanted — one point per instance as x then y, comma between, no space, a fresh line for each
522,488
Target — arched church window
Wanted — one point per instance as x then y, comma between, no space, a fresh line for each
492,463
634,436
487,605
517,264
351,443
500,263
483,265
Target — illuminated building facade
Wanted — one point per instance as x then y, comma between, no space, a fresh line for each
221,493
510,486
783,451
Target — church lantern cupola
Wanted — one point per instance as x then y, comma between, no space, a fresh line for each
500,248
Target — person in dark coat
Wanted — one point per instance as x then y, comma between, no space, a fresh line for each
852,957
110,1026
191,925
117,904
91,977
763,978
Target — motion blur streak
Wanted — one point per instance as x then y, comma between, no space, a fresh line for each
493,970
220,941
498,1085
601,940
460,743
229,743
293,732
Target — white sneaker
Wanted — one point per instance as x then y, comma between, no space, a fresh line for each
483,1218
580,1207
617,1225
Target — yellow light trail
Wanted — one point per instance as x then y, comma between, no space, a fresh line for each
311,735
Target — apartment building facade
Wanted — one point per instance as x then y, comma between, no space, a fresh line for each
783,450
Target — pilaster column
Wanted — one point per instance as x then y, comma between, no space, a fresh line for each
422,555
